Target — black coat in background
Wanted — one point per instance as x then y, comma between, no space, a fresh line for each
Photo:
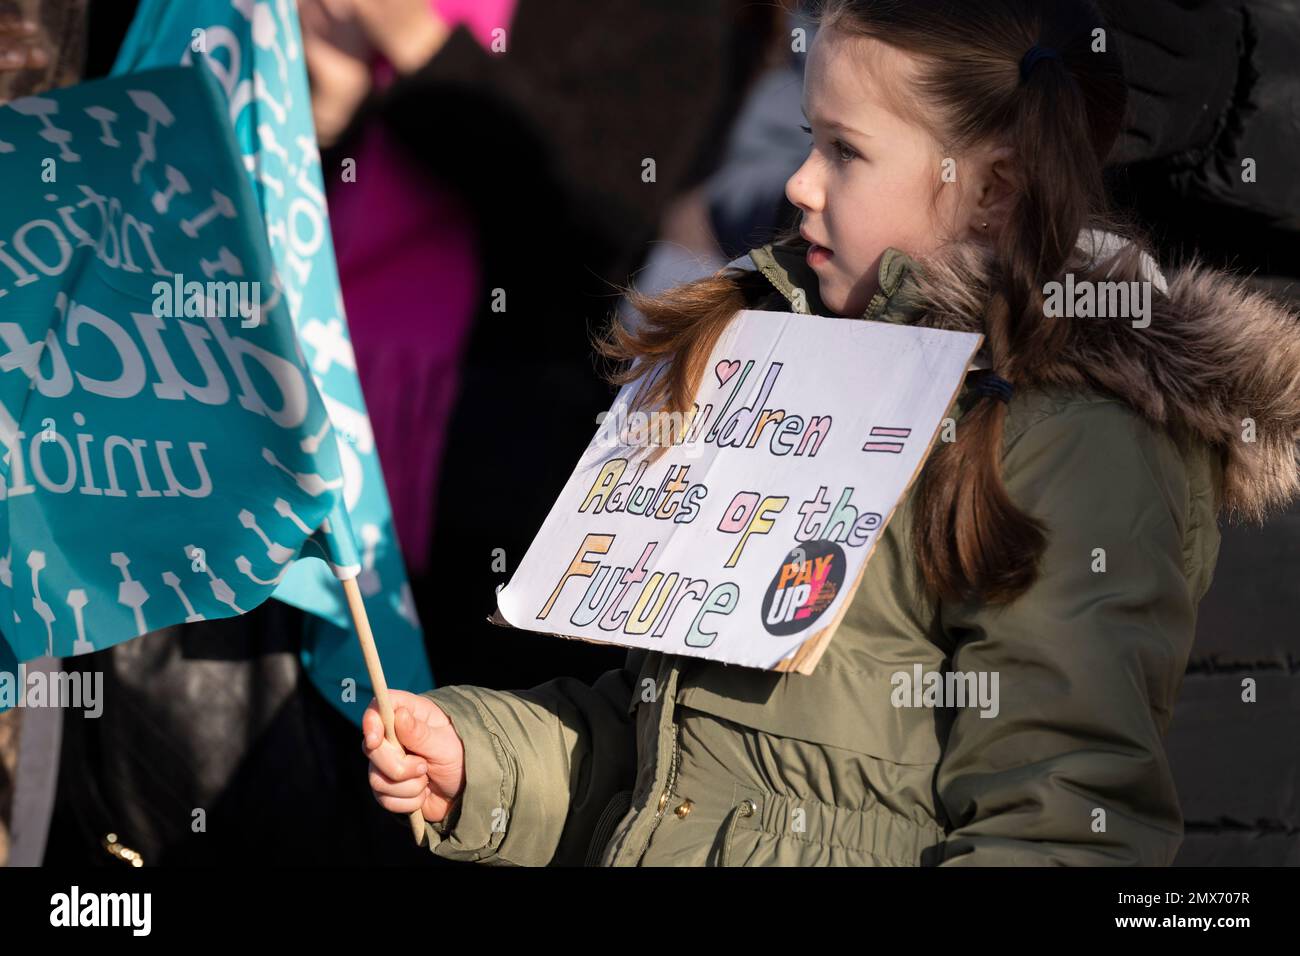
1213,85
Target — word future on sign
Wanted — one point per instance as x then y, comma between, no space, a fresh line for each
744,540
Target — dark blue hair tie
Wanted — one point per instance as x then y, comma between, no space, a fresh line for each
1032,57
994,386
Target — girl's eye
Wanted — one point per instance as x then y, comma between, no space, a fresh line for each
846,153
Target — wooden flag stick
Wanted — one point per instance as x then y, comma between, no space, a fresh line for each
376,672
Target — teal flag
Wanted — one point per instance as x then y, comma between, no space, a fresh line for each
167,455
253,48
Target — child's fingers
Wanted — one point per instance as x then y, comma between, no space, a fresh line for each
395,766
386,786
13,26
417,704
417,736
372,725
372,728
402,805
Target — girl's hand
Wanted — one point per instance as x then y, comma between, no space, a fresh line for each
407,32
431,776
22,47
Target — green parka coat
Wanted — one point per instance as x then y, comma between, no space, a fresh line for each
1127,448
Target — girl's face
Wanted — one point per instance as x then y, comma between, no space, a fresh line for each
868,182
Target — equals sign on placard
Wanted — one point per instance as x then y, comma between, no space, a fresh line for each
893,447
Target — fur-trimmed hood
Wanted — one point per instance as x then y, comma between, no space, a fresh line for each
1217,358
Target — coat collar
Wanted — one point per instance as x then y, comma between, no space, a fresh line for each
1220,359
786,267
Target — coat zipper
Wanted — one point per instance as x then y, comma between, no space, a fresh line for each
672,777
677,736
781,281
665,797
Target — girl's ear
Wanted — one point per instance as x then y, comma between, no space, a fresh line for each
999,185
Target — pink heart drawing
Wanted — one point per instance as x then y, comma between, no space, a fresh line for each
724,370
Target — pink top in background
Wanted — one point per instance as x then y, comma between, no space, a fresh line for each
405,247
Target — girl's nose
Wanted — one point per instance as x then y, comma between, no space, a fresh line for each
802,189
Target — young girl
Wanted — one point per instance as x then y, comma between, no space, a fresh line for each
1059,544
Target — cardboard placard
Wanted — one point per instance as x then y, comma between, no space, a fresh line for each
745,539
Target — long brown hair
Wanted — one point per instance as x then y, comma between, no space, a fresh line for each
1062,120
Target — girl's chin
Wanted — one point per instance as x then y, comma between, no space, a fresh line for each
842,309
834,301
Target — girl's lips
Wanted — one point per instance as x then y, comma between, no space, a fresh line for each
818,254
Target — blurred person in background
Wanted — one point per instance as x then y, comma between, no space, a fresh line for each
407,252
514,162
1209,162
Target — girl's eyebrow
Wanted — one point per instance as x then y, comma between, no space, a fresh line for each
833,124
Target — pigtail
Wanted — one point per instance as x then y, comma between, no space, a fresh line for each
972,541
